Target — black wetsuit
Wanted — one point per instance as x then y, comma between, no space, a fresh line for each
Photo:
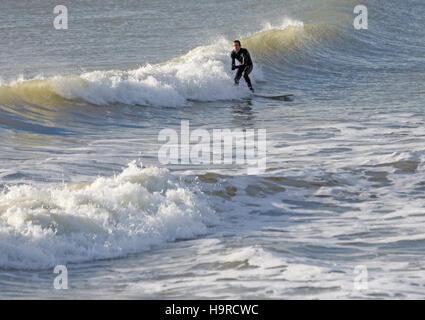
245,67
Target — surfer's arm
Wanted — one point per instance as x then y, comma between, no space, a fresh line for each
233,61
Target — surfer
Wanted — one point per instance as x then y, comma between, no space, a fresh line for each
245,67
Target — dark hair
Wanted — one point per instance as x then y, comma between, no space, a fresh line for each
238,42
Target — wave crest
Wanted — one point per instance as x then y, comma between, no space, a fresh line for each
203,74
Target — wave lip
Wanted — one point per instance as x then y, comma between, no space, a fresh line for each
108,218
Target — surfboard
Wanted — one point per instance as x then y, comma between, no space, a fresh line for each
284,97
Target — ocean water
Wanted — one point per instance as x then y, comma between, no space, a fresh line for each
339,212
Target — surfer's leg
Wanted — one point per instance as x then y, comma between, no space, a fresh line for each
246,72
238,76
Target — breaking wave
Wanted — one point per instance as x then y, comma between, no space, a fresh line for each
107,218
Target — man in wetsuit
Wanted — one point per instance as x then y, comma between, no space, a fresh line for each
245,67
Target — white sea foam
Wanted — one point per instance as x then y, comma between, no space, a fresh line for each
109,217
202,74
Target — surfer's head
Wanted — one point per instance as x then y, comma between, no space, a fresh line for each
236,45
